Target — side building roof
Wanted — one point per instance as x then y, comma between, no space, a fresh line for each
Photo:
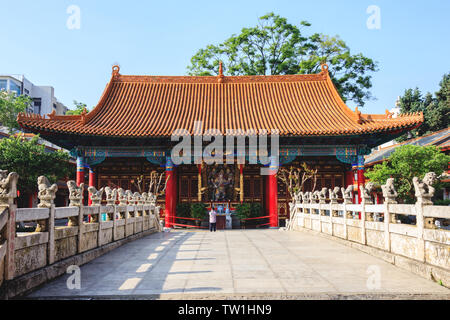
440,139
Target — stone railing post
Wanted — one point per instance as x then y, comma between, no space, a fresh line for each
420,227
344,206
8,192
100,225
80,224
389,195
46,196
115,213
363,223
386,221
424,192
366,191
51,235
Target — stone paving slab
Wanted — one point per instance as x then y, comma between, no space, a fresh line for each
234,263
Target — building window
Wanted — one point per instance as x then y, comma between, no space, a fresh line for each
14,87
37,105
3,84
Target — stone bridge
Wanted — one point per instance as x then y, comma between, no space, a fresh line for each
329,250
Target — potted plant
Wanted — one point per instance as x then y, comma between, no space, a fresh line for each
184,210
255,211
198,211
243,212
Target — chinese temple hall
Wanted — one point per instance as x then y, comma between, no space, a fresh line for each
128,135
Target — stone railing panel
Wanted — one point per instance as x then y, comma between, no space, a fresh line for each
32,214
25,252
66,212
377,226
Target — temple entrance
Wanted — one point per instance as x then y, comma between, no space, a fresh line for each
222,186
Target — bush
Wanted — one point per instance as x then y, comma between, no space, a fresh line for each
255,210
198,211
243,210
441,202
184,210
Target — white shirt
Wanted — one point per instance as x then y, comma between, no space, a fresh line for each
212,216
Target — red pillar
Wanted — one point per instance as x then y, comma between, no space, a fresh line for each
361,178
266,200
31,198
170,188
174,194
273,195
80,171
92,182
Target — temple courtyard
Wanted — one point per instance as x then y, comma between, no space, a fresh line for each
238,264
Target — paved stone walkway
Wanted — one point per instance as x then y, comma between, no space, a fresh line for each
230,263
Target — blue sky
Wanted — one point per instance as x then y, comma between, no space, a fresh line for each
159,38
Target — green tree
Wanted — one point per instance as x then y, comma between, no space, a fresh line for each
30,160
10,106
79,109
276,47
407,162
435,108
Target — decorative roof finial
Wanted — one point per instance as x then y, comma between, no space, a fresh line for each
115,71
221,76
324,67
220,69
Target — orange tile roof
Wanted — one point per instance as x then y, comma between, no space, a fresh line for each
155,106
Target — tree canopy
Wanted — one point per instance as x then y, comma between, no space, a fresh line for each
79,109
276,47
10,106
30,160
407,162
435,108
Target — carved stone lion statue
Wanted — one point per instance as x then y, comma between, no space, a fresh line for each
322,194
389,192
8,187
96,196
424,189
129,197
75,194
137,198
111,196
146,198
306,197
46,192
123,197
365,193
314,196
348,194
334,194
300,196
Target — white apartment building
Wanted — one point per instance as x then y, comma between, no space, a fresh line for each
44,100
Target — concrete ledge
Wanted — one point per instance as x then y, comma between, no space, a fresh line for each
30,281
421,269
261,296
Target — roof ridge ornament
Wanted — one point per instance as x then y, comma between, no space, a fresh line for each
358,116
220,76
324,67
52,115
115,71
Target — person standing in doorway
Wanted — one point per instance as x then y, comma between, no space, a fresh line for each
212,219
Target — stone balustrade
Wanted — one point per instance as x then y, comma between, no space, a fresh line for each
375,228
30,253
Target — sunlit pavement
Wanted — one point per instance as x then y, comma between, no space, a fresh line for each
239,262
